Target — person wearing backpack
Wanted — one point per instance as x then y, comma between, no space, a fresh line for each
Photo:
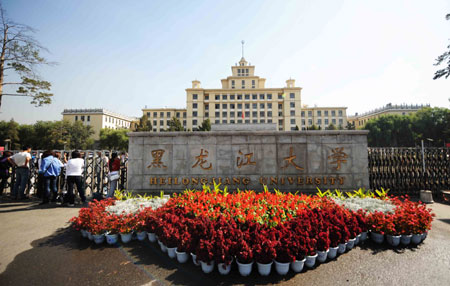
5,165
50,169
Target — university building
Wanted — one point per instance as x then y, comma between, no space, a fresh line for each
244,98
359,120
99,118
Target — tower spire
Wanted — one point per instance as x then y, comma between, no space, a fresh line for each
242,42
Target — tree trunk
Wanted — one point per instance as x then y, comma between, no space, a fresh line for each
2,61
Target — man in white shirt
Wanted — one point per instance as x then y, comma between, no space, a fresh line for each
22,162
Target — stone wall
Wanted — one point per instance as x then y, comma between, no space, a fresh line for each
288,161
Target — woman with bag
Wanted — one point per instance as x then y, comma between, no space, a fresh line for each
74,172
114,168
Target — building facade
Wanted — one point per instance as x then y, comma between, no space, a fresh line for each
359,120
99,118
243,98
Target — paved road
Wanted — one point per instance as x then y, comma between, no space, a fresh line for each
37,248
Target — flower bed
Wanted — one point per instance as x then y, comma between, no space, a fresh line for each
218,227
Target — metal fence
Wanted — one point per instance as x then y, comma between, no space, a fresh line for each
95,175
409,170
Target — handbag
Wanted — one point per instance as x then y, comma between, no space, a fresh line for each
114,176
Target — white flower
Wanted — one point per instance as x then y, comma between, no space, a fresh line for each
132,206
369,204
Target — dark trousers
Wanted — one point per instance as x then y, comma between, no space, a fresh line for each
40,186
3,181
71,180
51,189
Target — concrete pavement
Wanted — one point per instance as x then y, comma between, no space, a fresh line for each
37,248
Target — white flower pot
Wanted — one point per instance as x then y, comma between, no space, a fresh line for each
311,260
282,268
162,246
223,268
377,237
341,248
182,257
90,237
151,236
363,236
350,243
141,236
99,238
245,268
322,256
112,238
264,268
332,252
406,239
297,265
83,233
171,252
358,237
416,238
194,259
207,267
126,237
393,240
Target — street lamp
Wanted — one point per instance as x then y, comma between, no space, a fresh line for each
423,154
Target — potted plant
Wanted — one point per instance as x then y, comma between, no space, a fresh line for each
182,247
323,246
126,227
205,254
335,238
113,228
376,222
244,258
286,250
265,253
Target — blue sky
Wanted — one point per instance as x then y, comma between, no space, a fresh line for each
125,55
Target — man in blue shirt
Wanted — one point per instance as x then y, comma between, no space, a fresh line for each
50,170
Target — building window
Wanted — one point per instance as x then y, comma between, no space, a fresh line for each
224,106
280,122
239,121
326,112
254,96
247,106
178,115
246,72
206,97
261,96
247,114
309,113
161,114
184,122
247,97
292,112
89,118
82,117
280,96
232,84
217,106
292,104
217,121
326,121
262,114
261,105
303,114
292,121
253,83
154,122
224,96
155,114
231,96
148,114
268,121
243,84
194,97
333,121
269,96
194,113
217,97
255,113
319,113
255,121
232,114
319,121
206,106
340,113
184,114
194,105
292,95
269,105
76,118
280,106
168,114
341,121
255,105
309,122
232,106
239,97
333,112
224,121
194,122
206,114
224,114
303,121
239,105
269,114
239,114
217,114
280,113
232,121
161,123
247,121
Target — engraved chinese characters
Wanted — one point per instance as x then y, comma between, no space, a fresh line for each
335,160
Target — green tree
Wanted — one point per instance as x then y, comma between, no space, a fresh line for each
350,126
20,55
441,59
114,139
175,125
433,123
144,124
312,127
331,127
79,136
10,131
390,131
296,128
206,125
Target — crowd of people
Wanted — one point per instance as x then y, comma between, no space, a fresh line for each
59,174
